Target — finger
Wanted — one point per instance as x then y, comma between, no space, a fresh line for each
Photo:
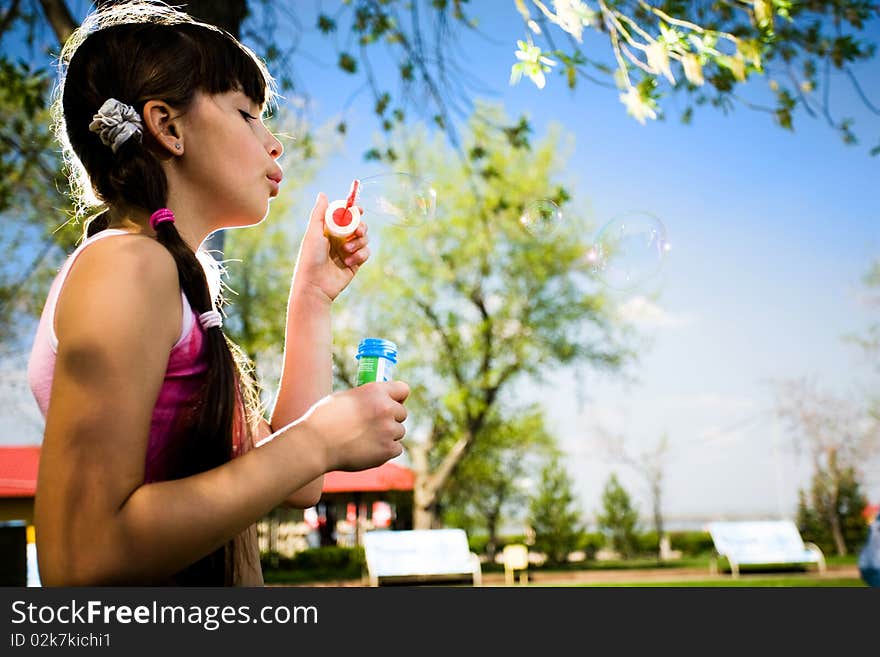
361,230
400,412
353,245
357,259
320,207
397,390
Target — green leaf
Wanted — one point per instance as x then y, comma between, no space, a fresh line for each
326,24
347,63
382,103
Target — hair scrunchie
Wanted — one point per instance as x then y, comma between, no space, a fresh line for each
210,319
116,122
160,216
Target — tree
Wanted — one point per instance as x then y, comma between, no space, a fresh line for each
835,500
650,466
554,514
717,45
35,235
707,50
476,303
869,340
619,518
46,225
489,487
838,436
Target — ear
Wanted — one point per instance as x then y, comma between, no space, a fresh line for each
165,127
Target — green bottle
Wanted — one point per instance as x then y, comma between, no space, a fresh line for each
376,360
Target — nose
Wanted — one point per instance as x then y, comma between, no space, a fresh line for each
275,147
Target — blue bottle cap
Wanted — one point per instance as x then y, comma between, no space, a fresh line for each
378,347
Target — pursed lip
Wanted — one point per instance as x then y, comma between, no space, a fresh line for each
275,182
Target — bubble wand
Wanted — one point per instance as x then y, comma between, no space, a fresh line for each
343,217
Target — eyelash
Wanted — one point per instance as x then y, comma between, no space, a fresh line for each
247,116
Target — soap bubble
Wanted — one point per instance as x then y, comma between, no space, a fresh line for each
541,218
628,250
401,199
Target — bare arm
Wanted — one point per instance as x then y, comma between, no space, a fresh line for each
323,269
96,520
307,373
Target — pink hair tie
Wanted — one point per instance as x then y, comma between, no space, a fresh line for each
159,216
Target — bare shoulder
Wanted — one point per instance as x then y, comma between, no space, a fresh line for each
132,254
120,280
117,318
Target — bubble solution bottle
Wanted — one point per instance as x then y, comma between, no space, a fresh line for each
376,360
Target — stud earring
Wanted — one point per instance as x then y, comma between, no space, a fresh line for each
177,146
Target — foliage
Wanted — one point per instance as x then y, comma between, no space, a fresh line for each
692,543
554,514
314,564
869,340
590,543
838,435
706,50
618,519
476,303
716,45
489,485
837,496
37,232
649,465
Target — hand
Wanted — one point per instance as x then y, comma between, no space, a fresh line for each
360,428
327,265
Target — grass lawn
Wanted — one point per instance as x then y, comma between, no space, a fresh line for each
779,576
748,582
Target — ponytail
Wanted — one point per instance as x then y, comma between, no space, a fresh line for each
133,57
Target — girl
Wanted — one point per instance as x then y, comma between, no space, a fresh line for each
156,460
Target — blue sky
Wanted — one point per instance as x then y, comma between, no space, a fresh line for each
771,233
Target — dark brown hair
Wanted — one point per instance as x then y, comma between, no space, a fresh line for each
136,52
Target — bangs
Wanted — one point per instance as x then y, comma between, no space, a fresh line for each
226,65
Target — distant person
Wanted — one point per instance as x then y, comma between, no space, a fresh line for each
869,556
155,462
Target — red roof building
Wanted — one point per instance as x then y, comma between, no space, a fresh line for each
18,482
18,470
386,477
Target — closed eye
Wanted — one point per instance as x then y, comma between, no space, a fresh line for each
247,116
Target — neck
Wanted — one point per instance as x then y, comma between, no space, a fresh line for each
135,220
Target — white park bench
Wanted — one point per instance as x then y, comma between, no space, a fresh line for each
420,556
762,543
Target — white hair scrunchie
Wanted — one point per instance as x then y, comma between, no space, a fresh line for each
210,319
116,122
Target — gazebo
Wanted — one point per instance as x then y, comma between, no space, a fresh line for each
389,483
18,482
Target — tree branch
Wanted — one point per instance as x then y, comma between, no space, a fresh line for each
59,18
9,17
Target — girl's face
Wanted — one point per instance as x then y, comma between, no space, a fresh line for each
230,160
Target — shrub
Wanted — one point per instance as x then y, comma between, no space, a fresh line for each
692,543
314,564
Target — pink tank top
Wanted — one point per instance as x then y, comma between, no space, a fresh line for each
187,364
